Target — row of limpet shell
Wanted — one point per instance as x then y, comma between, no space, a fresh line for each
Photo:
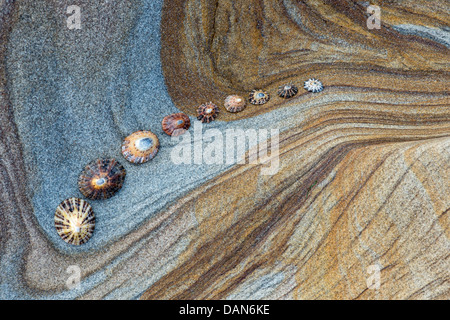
74,217
234,103
287,91
103,178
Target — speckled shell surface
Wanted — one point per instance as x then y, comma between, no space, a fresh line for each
287,91
258,97
313,85
75,221
101,179
140,147
207,112
234,103
176,124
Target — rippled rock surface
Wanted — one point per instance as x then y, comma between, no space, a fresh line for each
362,181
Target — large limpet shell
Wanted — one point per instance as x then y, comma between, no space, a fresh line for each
207,112
287,91
140,147
101,179
258,97
176,124
234,103
75,221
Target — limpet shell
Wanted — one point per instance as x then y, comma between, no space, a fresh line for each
140,146
234,103
75,221
176,124
258,97
207,112
287,91
313,85
101,179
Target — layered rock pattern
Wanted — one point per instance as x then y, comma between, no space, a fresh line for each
363,178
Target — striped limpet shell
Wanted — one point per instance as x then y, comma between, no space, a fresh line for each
258,97
176,124
101,179
207,112
234,103
75,221
140,147
287,91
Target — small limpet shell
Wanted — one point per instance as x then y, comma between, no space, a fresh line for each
207,112
176,124
75,221
140,147
258,97
234,103
313,85
101,179
287,91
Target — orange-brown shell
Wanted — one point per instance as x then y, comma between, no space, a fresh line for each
207,112
234,103
258,97
140,147
176,124
101,179
75,221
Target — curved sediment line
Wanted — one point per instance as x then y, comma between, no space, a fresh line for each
14,201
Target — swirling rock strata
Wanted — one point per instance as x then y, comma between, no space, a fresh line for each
216,48
364,166
364,176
